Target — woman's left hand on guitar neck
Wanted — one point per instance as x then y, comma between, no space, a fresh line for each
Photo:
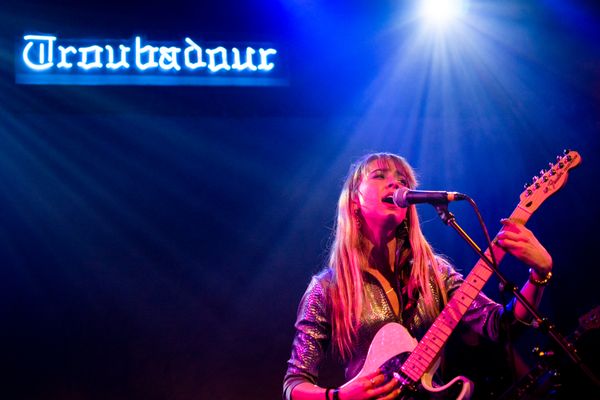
519,241
522,243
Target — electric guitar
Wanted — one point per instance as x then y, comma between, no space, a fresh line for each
397,353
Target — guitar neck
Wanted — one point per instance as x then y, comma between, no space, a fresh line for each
429,348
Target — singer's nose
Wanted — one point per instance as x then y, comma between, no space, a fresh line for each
393,184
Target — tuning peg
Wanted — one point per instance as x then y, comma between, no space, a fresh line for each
542,171
526,185
567,154
529,192
534,179
561,164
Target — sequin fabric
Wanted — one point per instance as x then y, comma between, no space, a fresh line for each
313,325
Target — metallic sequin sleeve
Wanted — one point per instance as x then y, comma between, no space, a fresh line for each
313,333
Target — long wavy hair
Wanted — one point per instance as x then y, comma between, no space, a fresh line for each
348,256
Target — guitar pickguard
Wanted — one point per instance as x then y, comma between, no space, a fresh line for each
390,347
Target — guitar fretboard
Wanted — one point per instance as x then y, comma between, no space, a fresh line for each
429,347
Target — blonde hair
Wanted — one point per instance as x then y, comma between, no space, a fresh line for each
348,257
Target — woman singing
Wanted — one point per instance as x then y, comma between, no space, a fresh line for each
382,269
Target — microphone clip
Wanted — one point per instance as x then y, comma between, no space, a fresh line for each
445,215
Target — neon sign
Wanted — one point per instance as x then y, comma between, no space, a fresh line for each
44,59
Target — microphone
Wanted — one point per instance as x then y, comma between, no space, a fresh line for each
404,196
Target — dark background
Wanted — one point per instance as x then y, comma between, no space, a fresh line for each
155,241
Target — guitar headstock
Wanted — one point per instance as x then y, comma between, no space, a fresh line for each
549,181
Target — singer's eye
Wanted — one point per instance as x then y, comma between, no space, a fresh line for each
377,175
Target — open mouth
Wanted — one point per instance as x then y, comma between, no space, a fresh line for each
388,199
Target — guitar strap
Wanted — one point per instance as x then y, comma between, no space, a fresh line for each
402,271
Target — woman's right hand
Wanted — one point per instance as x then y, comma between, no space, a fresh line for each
371,386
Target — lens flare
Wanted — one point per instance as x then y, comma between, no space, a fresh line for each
443,12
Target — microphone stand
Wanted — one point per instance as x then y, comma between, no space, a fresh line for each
539,322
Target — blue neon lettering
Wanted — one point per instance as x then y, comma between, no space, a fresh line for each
44,61
168,58
264,64
64,51
212,59
38,53
193,47
237,63
111,57
85,51
139,51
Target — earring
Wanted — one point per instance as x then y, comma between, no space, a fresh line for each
357,218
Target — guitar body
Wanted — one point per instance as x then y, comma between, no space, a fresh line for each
390,347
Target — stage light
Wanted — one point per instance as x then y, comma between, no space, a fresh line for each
440,13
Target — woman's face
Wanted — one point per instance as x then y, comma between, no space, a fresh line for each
375,194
